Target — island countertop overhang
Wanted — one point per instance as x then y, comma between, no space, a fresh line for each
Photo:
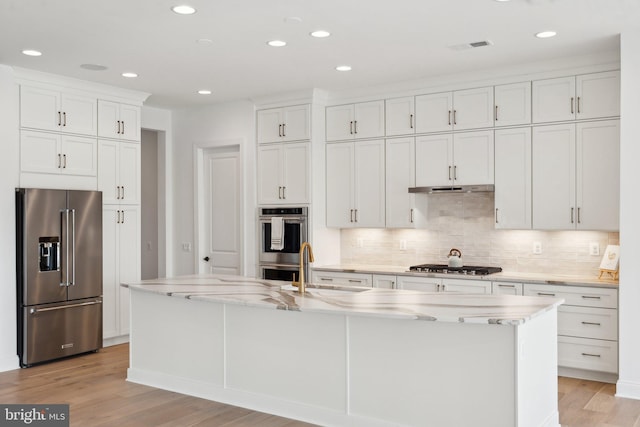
386,303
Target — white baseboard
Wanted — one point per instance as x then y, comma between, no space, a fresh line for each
9,363
583,374
628,389
108,342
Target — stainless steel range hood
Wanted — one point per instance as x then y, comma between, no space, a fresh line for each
453,189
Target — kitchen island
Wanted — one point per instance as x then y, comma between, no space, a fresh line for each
356,356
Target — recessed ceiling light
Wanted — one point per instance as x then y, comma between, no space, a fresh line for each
183,10
31,52
204,92
343,68
93,67
276,43
320,34
545,34
129,75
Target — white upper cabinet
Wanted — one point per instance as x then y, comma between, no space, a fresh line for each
585,96
356,184
283,173
284,124
575,176
118,121
400,175
50,109
513,104
513,178
598,95
119,176
400,116
361,120
455,159
459,110
52,153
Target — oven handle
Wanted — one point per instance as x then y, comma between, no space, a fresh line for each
285,219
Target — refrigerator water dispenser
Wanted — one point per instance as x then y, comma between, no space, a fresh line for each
49,253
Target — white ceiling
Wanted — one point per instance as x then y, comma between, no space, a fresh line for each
383,40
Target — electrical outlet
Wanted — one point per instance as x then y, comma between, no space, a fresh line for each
594,249
403,245
186,246
537,248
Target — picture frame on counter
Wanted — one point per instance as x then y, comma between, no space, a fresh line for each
610,261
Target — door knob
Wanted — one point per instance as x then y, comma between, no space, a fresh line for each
206,258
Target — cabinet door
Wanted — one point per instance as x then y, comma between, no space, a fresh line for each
513,178
340,184
108,117
130,122
473,108
269,125
399,116
40,108
129,173
108,175
384,281
434,112
553,177
79,155
110,276
598,179
369,119
369,184
425,284
598,95
80,114
434,160
506,288
295,175
513,104
129,258
339,122
40,152
400,175
553,100
297,123
466,286
473,158
270,173
342,279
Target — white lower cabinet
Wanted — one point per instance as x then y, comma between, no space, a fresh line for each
506,288
121,263
433,284
384,281
587,326
342,279
425,284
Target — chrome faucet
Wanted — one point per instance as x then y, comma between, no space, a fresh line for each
300,283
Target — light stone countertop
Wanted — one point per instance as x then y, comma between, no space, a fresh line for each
388,303
504,276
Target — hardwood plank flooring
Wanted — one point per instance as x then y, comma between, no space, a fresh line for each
95,388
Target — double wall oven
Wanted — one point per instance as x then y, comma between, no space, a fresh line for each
282,264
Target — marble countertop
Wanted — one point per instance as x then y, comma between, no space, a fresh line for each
504,276
389,303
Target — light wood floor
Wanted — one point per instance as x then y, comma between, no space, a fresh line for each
94,385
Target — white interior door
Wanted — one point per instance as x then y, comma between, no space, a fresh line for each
221,201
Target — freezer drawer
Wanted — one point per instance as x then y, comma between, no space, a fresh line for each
52,331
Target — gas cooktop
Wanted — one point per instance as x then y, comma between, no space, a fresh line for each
445,269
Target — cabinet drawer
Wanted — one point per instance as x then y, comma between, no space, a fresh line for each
576,295
584,353
344,279
506,288
586,322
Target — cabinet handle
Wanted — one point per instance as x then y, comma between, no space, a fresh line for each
355,211
578,215
455,172
506,286
122,127
122,193
411,121
122,222
351,127
544,294
411,216
326,279
280,193
572,105
284,195
454,123
64,161
449,173
118,217
591,355
590,297
59,118
64,118
280,131
118,127
355,127
59,161
496,113
572,209
284,129
591,323
355,281
496,215
578,104
437,288
118,192
449,120
351,215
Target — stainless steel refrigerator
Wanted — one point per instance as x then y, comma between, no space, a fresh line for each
59,273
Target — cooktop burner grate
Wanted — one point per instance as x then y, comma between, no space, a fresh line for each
471,270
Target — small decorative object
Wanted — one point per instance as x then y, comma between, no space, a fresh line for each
610,262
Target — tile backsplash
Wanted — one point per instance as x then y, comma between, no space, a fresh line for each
466,222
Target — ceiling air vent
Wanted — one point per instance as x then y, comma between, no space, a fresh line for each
480,44
465,46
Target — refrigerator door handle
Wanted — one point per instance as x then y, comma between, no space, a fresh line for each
61,307
65,242
73,248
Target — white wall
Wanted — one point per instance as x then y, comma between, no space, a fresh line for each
629,294
212,126
149,204
9,176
